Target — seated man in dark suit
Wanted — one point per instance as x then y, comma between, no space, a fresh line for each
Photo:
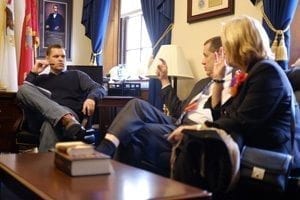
138,115
55,102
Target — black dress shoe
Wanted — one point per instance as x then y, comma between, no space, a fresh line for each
77,132
74,132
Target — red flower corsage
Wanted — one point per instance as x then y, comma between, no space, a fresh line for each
237,81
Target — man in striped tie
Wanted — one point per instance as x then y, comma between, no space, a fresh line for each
140,125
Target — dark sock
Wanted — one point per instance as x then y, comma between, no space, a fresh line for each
106,147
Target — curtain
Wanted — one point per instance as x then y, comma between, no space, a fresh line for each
278,14
95,14
158,15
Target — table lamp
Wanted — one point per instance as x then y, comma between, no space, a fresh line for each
178,67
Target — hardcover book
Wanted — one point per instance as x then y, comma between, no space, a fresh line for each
83,164
74,148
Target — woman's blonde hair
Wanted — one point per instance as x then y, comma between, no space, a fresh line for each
245,41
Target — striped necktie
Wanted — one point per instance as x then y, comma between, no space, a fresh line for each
194,103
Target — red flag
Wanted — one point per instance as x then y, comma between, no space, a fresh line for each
29,41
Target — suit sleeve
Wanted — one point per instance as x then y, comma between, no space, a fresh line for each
174,104
257,100
171,100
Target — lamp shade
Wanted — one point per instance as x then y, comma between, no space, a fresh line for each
174,57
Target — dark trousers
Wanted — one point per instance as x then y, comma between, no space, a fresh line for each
141,129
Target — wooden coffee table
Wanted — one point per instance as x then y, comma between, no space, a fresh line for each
34,176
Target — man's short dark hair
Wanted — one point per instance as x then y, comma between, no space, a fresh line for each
215,43
53,46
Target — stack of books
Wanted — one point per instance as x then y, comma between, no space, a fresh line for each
79,159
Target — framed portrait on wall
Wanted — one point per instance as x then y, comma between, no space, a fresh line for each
55,20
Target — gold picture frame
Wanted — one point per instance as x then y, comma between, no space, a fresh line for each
200,10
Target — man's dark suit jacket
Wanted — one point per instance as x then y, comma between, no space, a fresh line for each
174,104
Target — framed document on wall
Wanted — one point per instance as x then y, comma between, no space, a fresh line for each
200,10
55,23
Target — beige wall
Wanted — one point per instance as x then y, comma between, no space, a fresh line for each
189,36
192,36
81,45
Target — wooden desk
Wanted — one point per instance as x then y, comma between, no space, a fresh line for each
39,178
108,108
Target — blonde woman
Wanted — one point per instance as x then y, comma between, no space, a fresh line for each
261,107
